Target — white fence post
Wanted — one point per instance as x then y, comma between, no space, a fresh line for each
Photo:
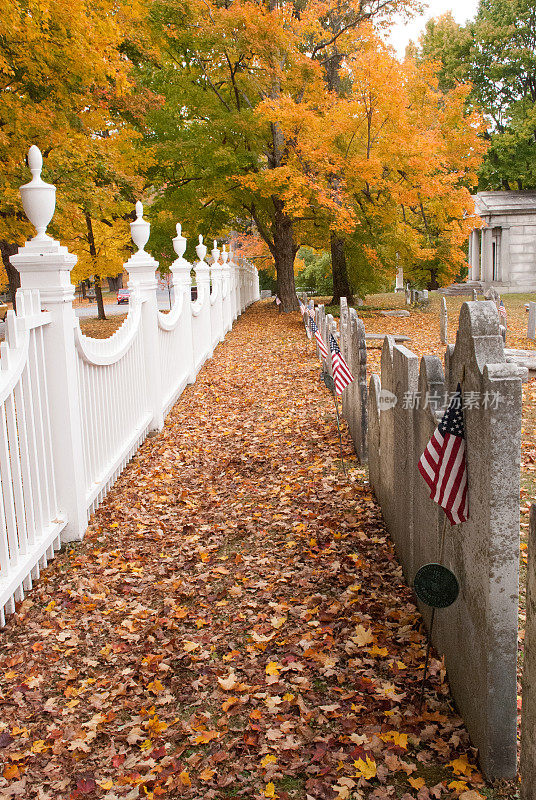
226,292
257,288
216,297
232,285
141,268
201,326
45,265
182,281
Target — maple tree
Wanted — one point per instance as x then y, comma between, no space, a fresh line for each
65,85
221,161
403,153
495,54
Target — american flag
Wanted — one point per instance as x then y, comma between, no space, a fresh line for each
443,464
342,376
502,312
319,340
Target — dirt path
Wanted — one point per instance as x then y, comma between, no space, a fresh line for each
235,623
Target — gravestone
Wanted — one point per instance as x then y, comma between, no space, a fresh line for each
408,296
396,312
528,713
355,407
475,294
444,322
502,330
399,287
493,294
531,328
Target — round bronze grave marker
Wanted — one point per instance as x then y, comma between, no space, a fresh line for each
436,586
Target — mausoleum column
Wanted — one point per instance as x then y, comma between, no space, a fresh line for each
504,255
487,255
474,255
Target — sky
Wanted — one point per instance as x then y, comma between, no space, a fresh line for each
462,10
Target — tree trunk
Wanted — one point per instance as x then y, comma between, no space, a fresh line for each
341,284
285,251
93,254
7,249
98,297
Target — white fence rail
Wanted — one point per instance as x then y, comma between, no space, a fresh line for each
73,410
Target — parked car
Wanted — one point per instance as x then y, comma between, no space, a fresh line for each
123,296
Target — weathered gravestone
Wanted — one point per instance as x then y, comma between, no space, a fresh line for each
475,294
356,394
531,327
444,322
478,634
528,713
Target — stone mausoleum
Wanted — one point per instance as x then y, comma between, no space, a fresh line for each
503,253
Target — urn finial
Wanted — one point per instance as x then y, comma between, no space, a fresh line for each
215,252
201,249
179,242
38,197
140,229
224,255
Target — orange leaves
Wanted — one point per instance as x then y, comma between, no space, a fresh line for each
155,687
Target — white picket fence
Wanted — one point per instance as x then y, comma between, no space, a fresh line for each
74,410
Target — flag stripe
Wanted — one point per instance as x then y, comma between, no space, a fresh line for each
443,464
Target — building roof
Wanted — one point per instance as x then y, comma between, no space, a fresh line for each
504,203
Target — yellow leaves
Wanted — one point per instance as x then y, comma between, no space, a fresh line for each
206,736
50,605
378,651
398,739
461,766
190,646
417,783
38,746
267,760
207,774
269,790
157,726
272,668
365,769
458,786
146,745
155,687
105,784
184,778
277,622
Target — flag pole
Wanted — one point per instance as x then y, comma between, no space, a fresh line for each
432,619
339,431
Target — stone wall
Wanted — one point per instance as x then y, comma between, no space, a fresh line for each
477,635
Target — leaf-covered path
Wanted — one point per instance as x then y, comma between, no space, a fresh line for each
235,622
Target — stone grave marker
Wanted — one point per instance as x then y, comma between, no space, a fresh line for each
531,329
444,322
